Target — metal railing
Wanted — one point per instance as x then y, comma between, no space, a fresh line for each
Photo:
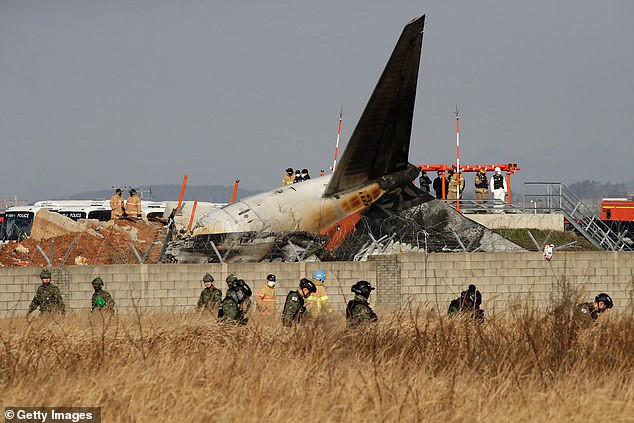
555,197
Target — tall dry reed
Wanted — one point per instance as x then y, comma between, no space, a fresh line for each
414,365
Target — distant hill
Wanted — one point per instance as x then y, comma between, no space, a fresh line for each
210,193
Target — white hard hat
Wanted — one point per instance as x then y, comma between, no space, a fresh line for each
497,169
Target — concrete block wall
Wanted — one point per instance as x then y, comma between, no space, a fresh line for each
508,278
429,280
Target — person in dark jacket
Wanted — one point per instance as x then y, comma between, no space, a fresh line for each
294,307
468,304
358,310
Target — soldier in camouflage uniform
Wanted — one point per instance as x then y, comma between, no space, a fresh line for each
468,304
210,296
101,299
294,305
47,297
231,310
586,313
358,310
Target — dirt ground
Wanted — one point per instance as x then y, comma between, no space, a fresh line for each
110,246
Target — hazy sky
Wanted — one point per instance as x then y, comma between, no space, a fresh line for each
95,94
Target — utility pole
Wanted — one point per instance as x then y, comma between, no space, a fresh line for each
457,161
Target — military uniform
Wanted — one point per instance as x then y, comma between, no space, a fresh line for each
133,206
265,301
293,308
359,311
209,299
458,306
48,299
102,301
585,313
116,204
230,310
318,303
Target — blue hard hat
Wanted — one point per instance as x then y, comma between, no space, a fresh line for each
319,275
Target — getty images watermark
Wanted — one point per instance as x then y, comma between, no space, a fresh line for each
52,414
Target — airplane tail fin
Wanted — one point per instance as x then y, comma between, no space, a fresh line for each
379,144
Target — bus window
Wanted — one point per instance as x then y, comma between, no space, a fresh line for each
102,215
17,225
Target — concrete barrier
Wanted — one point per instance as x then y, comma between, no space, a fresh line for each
428,280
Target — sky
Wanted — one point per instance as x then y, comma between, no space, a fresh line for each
99,94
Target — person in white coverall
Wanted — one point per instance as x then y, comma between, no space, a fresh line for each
497,185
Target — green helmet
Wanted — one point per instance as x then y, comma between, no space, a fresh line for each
100,302
45,274
208,278
231,278
97,282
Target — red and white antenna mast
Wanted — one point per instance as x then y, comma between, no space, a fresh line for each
334,160
457,160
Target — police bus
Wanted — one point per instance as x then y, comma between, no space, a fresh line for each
17,222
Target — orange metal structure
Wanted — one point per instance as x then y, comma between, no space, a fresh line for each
180,199
509,168
235,191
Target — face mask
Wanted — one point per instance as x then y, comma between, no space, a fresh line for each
271,284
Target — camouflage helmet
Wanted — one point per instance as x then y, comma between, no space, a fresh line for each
208,278
231,278
97,282
45,274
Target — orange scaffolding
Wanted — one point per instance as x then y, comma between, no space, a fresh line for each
509,168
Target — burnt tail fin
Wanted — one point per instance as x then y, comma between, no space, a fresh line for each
379,144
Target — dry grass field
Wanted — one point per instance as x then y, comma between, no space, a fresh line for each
412,366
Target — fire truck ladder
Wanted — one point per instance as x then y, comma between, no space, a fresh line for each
560,199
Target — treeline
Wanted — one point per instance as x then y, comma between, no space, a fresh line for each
597,190
210,193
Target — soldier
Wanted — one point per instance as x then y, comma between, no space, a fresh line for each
133,205
358,310
47,297
231,310
468,304
101,299
319,303
589,312
294,305
210,296
116,204
265,297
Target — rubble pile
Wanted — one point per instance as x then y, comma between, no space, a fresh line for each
86,241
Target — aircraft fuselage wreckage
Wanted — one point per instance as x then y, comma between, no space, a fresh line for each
374,162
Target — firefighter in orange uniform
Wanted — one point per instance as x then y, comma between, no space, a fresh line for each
265,297
318,304
116,204
133,205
